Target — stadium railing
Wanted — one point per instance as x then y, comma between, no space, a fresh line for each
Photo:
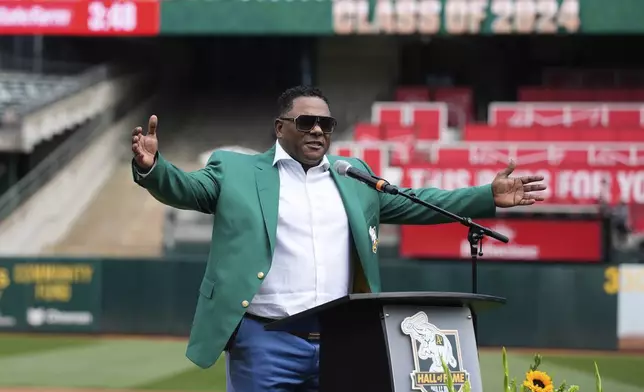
84,80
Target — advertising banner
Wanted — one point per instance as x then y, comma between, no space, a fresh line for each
531,240
568,183
575,174
369,17
49,296
81,18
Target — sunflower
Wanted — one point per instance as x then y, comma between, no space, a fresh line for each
538,381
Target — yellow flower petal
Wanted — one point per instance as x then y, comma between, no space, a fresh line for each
538,381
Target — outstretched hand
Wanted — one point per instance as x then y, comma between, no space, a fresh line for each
145,146
510,192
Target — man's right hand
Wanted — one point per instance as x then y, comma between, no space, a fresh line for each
145,147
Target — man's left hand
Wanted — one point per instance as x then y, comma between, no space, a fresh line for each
510,192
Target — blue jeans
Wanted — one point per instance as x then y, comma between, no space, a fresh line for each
271,361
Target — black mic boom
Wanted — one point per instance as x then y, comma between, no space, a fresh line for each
344,168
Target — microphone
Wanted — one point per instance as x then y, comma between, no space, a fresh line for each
344,168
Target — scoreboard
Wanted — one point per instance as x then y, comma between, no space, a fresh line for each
84,18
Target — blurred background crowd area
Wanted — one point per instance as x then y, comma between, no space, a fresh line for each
428,92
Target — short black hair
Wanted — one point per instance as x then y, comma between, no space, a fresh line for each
285,101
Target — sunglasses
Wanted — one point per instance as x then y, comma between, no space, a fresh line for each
306,122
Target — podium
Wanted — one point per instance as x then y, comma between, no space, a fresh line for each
393,342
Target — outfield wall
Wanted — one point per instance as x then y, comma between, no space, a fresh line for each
549,305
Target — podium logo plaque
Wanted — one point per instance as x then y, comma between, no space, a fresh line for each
428,345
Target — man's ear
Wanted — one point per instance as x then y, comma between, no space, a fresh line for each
278,128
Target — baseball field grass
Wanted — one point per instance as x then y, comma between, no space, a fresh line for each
63,363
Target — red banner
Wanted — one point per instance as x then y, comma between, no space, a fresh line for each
565,186
537,240
570,177
585,115
574,175
66,17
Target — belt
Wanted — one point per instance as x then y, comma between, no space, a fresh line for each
302,335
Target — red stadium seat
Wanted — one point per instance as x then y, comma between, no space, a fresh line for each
366,132
428,114
428,132
389,113
482,133
460,104
427,119
399,133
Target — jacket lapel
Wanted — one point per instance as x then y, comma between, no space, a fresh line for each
357,222
267,180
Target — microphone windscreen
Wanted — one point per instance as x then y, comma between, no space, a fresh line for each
341,167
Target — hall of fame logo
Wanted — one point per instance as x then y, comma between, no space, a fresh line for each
429,344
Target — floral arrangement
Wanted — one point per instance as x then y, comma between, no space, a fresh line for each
535,380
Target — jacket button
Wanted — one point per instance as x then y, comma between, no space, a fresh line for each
245,303
260,275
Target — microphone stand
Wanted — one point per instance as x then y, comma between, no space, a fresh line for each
475,236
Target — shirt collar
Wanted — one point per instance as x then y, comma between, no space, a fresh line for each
282,155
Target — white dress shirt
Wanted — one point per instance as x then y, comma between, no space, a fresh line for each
311,260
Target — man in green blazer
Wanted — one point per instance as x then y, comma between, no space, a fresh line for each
290,234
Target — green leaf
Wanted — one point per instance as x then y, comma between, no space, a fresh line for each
562,387
506,372
598,379
448,373
513,385
573,388
537,362
467,387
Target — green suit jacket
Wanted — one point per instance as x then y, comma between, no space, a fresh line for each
242,191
